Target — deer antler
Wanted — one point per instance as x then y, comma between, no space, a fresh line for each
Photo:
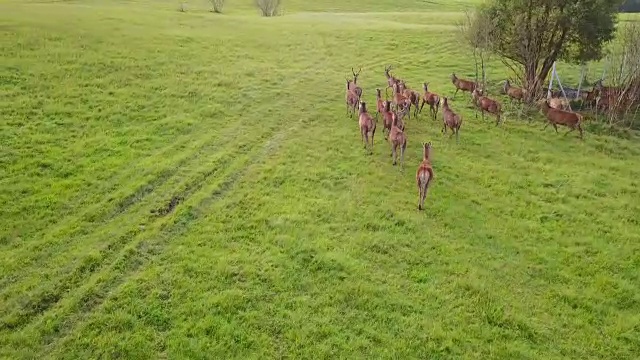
354,73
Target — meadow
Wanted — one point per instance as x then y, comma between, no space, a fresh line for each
187,185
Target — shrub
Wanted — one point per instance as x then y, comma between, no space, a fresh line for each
217,5
269,7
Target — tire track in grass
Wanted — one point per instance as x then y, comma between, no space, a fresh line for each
97,211
102,215
71,277
53,327
107,187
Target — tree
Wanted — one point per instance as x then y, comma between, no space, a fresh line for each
269,7
630,6
475,31
620,99
530,35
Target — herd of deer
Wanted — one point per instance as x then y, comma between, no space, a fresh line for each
403,99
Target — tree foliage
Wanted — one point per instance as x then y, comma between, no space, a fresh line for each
529,35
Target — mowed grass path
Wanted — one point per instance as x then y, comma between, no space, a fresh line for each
187,185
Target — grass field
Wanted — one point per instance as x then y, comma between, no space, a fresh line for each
187,185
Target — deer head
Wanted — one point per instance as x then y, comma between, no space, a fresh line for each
363,107
386,71
355,75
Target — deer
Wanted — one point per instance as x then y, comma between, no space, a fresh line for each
390,79
486,104
450,120
367,125
398,139
461,84
514,93
380,104
351,99
432,99
412,97
354,84
387,118
398,98
556,117
424,174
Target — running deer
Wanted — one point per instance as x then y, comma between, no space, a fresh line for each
412,98
398,100
486,104
432,99
390,79
380,104
367,125
387,118
398,139
556,117
354,85
461,84
514,93
351,99
424,175
450,120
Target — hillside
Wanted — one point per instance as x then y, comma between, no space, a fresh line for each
187,185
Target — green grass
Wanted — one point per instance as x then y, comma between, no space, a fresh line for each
287,239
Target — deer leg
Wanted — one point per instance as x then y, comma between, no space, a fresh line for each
545,127
422,105
373,133
393,154
404,146
497,119
457,135
570,130
555,127
454,94
423,195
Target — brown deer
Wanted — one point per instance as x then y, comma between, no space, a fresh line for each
351,99
387,118
390,79
556,117
367,125
461,84
450,120
514,93
412,98
486,104
424,175
432,99
354,85
380,104
398,100
398,139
